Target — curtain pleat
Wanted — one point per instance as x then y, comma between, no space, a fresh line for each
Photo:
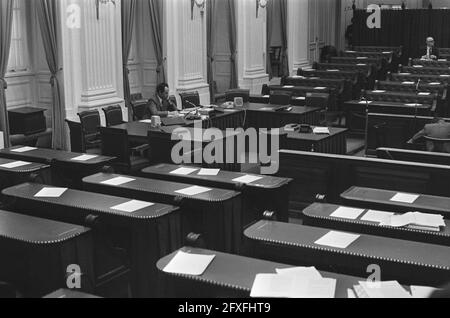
128,9
157,30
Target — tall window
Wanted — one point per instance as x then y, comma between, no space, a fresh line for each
19,57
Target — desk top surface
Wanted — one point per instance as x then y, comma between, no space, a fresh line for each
27,110
425,202
366,246
296,110
89,201
30,167
239,272
34,230
317,137
66,293
161,187
388,104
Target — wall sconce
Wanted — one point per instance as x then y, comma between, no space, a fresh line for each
97,4
260,4
200,4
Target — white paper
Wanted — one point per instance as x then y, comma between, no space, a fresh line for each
321,130
362,58
444,75
15,164
146,121
413,105
408,83
247,179
84,158
424,94
266,109
266,96
288,86
307,272
388,290
132,206
301,98
418,66
118,181
363,102
319,88
378,91
361,64
405,198
209,172
193,190
404,73
189,264
435,83
376,216
350,294
386,52
23,149
416,219
337,239
50,193
422,291
347,213
332,70
183,171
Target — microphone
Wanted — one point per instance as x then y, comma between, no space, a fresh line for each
190,103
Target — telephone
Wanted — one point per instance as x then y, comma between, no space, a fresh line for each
292,127
305,129
228,105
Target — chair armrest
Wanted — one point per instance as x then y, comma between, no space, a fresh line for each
139,150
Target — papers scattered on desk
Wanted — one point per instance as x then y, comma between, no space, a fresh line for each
422,291
390,289
404,73
209,172
424,94
266,96
413,105
183,171
15,164
405,198
321,131
292,286
362,58
50,193
444,75
408,83
337,239
347,213
193,191
378,91
418,66
332,70
387,52
266,109
350,51
247,179
146,121
319,88
189,264
306,272
288,86
363,102
361,64
416,220
301,98
84,158
23,149
435,83
132,206
118,181
376,216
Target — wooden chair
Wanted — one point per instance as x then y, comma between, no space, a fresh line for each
189,99
234,93
90,123
113,115
282,98
76,137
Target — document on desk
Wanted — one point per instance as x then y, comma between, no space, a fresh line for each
23,149
347,213
209,172
418,66
413,105
405,198
376,216
84,158
266,96
15,164
146,121
391,289
427,221
319,88
50,192
435,83
424,94
189,264
363,102
378,91
118,181
321,131
307,272
408,83
247,179
444,75
332,70
361,64
183,171
422,291
288,86
132,206
195,190
337,239
361,57
301,98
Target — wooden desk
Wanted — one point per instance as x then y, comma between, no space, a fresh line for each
334,143
69,294
377,198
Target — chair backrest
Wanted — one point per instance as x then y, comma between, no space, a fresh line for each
188,98
90,121
138,109
265,90
113,115
321,100
115,144
437,144
135,97
76,137
232,94
280,98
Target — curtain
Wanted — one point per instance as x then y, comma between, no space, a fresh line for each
269,23
157,28
47,12
233,43
128,17
284,38
211,31
6,8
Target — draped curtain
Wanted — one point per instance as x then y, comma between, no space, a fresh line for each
6,9
211,30
233,43
284,38
157,28
269,22
128,8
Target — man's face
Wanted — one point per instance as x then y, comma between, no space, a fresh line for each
164,95
430,42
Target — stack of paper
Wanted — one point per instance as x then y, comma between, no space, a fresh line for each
390,289
416,220
413,105
189,264
300,282
183,171
408,83
378,91
321,130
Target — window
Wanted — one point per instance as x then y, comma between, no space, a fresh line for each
19,59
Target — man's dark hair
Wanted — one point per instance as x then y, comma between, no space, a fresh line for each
161,88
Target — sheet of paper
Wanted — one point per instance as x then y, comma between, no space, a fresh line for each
118,181
189,264
321,130
422,291
376,216
362,57
15,164
266,96
301,98
361,64
132,206
378,91
208,172
363,102
387,290
307,272
435,83
404,73
424,94
418,66
386,52
23,149
193,190
332,70
183,171
347,213
266,109
350,294
84,158
146,121
319,88
444,75
337,239
288,86
247,179
408,83
50,192
413,105
432,220
405,198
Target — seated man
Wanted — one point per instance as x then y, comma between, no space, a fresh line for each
431,52
438,129
160,105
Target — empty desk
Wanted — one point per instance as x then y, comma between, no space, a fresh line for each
215,213
408,262
321,215
14,172
124,240
36,254
383,199
264,193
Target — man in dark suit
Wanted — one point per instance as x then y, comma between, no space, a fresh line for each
431,52
438,129
160,104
